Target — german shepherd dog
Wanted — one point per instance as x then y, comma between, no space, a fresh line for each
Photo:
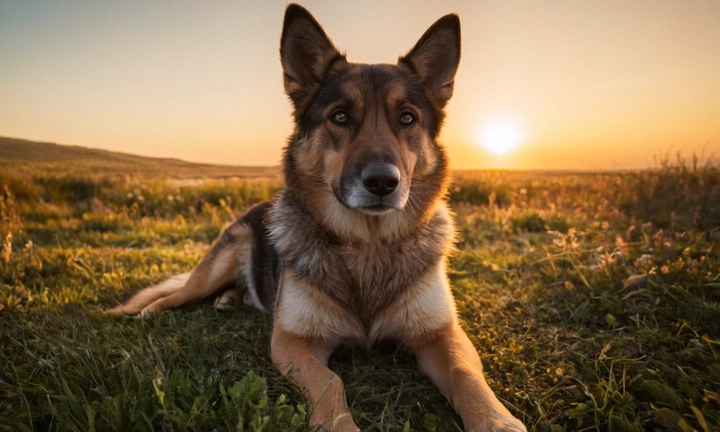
354,250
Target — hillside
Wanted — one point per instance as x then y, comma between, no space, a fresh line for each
21,153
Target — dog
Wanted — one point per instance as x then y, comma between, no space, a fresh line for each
353,251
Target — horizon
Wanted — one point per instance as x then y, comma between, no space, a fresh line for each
674,160
560,86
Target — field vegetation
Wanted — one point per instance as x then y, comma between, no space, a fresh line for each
591,297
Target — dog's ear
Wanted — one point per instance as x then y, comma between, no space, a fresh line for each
306,53
435,58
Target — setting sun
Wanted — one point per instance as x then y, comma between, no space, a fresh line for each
499,138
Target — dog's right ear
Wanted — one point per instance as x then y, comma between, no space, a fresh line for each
306,54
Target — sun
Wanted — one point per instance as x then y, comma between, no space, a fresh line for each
499,138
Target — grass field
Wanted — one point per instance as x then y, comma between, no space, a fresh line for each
591,297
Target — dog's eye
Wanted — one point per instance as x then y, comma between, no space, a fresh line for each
340,117
407,118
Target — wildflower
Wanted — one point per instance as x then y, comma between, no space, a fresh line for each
630,230
643,262
620,243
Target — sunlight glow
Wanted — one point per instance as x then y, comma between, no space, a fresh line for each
500,138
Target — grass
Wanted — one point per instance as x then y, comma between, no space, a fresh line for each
592,298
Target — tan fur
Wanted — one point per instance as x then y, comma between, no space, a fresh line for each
452,363
136,304
417,313
309,313
306,360
232,299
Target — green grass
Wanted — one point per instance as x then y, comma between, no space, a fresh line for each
592,299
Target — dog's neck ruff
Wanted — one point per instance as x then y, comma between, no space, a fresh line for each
362,276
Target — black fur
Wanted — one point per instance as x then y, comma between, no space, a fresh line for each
265,261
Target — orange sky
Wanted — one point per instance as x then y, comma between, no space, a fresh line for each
585,84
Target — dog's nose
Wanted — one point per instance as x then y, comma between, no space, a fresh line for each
380,179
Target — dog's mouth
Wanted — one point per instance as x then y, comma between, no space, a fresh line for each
376,210
359,199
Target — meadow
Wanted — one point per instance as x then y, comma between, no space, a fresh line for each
591,297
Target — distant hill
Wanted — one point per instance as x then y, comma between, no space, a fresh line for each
18,152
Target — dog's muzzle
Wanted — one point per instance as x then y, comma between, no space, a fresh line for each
377,189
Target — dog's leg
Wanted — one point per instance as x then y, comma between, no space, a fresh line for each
305,360
216,270
452,363
232,299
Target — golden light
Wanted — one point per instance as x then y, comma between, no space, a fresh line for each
500,138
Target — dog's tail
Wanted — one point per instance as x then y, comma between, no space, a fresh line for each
141,300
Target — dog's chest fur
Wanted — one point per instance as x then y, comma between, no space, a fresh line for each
362,275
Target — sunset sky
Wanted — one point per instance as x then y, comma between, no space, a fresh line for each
591,84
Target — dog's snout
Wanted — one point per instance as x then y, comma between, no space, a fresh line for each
380,179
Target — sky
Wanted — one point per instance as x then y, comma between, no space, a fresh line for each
552,84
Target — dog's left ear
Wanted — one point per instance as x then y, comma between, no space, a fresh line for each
435,58
306,53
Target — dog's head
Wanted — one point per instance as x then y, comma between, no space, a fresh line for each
365,134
